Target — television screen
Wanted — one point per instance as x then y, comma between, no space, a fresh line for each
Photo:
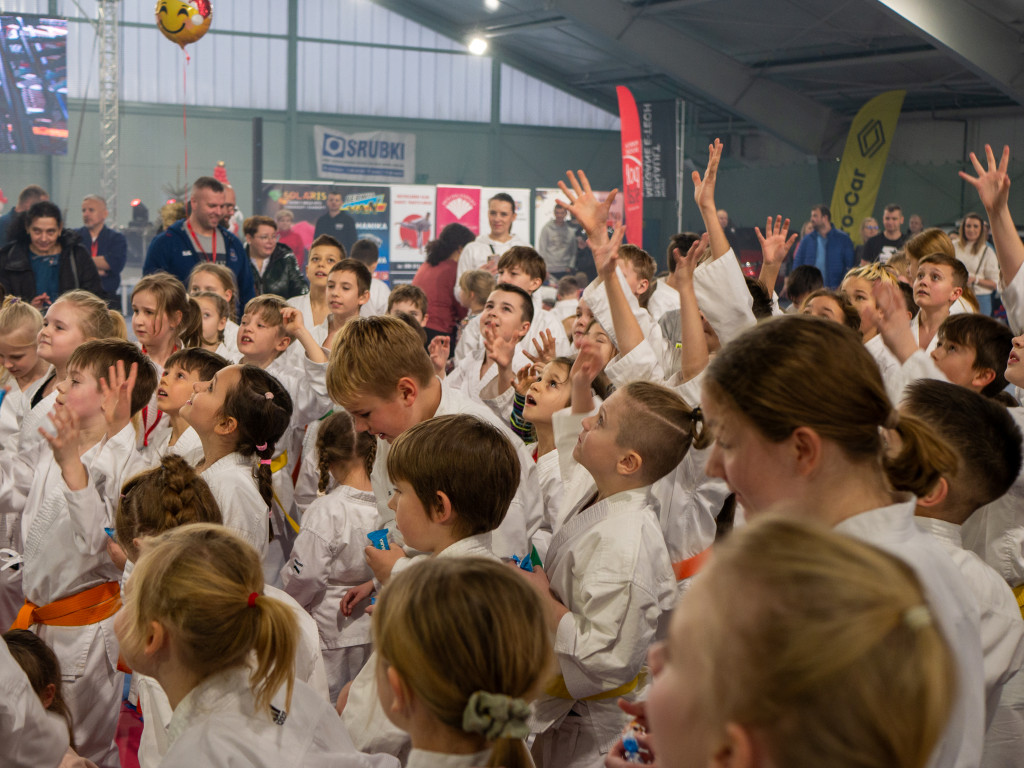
33,84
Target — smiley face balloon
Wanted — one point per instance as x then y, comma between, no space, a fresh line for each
183,22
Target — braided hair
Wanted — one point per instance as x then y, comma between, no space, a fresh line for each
338,442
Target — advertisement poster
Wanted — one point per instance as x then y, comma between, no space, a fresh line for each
368,205
521,226
544,212
632,165
658,130
459,205
375,156
412,227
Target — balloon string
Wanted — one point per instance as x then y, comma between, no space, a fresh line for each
184,108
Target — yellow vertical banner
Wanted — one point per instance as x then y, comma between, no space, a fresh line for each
863,164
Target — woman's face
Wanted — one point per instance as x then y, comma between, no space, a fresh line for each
972,230
43,232
262,244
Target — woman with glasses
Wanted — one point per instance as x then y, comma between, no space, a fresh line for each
274,268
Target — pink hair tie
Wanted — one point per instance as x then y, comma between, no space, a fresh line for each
252,598
261,447
269,395
265,461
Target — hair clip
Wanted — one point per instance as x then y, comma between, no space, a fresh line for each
261,447
252,598
269,395
917,617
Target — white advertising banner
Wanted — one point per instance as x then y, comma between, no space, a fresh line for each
375,156
412,225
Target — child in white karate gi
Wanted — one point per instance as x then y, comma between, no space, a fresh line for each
210,277
462,703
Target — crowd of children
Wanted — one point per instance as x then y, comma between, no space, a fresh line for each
664,522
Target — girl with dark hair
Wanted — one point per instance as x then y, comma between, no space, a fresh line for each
437,278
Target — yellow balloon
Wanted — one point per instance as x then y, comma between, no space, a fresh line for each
183,22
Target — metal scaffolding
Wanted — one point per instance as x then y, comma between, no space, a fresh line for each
107,33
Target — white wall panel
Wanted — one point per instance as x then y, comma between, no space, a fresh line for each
360,21
526,100
384,82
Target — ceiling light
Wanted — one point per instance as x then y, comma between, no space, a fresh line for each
492,5
478,46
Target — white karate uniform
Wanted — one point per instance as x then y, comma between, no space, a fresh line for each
525,516
420,758
564,309
466,377
609,566
237,494
363,714
188,446
65,553
16,403
480,251
307,484
471,339
888,366
216,725
664,299
34,418
892,529
915,328
231,340
327,560
303,304
378,302
30,737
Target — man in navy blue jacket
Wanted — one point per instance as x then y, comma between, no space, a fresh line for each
199,238
109,249
827,248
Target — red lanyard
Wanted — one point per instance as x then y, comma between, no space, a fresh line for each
95,249
195,238
148,430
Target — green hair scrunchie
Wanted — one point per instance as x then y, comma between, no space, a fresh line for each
496,716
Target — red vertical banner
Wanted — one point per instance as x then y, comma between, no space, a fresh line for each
632,166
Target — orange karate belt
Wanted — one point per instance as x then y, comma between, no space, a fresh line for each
87,607
684,569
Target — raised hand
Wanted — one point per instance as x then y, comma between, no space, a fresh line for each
704,189
291,322
686,264
526,376
591,213
774,244
588,363
993,184
498,348
606,254
117,389
545,346
438,351
893,323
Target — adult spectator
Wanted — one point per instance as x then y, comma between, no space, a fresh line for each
337,223
200,238
484,252
44,260
979,258
436,277
915,224
28,197
827,248
557,244
286,236
232,218
882,246
108,248
868,229
274,269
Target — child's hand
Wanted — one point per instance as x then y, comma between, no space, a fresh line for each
893,324
606,254
993,185
381,561
117,555
291,322
616,757
439,348
553,608
354,596
583,204
498,348
588,363
117,396
527,375
41,302
686,264
774,245
65,446
704,189
544,343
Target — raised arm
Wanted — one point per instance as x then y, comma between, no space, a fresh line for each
591,213
704,196
993,186
774,247
628,333
693,344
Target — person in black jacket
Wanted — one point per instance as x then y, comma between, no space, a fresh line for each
274,269
45,260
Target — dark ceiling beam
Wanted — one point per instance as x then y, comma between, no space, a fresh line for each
984,46
701,69
499,30
890,57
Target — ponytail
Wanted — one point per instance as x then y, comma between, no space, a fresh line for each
276,644
338,442
510,753
191,329
923,457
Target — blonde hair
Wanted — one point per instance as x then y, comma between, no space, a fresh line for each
97,320
224,276
338,442
454,627
197,580
269,307
172,299
798,370
830,651
479,283
980,244
16,314
931,240
661,428
875,272
371,354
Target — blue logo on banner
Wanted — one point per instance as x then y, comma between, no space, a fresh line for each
338,147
